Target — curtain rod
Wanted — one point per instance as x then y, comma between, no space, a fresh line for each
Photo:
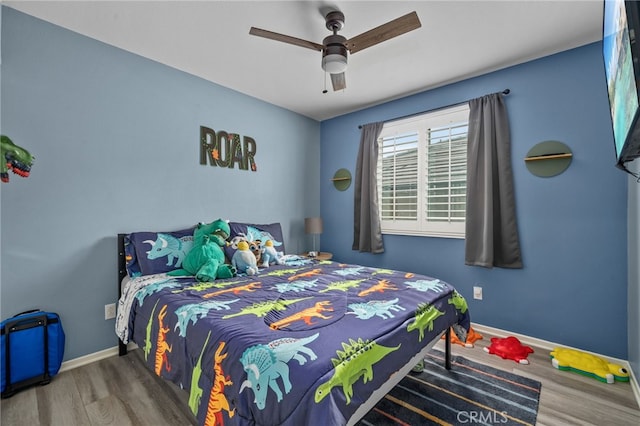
504,92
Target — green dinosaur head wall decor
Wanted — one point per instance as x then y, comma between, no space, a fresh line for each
15,158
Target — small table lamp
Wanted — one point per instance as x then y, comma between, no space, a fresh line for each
313,226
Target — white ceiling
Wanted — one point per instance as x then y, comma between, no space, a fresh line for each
210,39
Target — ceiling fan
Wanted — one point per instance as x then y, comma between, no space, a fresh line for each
334,48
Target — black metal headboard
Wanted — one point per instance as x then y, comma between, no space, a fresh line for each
122,272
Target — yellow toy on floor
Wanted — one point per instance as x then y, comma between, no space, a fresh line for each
588,365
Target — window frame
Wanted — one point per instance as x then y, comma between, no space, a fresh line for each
421,125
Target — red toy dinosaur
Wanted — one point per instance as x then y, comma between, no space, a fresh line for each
509,348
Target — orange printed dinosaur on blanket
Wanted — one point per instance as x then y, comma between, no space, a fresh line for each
305,315
380,287
307,274
217,400
235,290
163,347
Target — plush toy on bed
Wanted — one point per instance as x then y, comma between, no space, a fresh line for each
255,247
205,260
244,260
270,255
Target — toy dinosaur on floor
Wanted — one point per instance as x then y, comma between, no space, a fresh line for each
509,348
589,365
13,157
472,337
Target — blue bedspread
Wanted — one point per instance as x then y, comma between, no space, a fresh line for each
298,344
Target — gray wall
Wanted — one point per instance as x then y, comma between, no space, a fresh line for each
116,141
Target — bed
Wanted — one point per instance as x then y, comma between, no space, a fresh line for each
305,342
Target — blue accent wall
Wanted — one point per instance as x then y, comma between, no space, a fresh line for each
116,141
573,227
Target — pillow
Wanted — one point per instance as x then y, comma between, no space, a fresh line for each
148,253
252,232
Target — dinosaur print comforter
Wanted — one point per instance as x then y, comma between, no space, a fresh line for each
304,343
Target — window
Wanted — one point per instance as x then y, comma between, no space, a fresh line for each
422,174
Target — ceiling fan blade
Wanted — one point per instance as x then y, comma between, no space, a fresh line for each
391,29
285,38
339,81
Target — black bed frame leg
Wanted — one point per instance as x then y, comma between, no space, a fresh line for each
447,349
122,348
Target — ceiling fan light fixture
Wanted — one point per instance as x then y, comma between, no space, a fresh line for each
334,55
334,63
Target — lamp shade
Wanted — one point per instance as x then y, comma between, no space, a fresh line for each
334,64
313,225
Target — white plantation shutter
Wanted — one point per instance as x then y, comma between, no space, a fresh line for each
422,171
447,173
398,169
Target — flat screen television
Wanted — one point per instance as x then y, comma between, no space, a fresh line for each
621,54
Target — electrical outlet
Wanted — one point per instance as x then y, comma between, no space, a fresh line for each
477,292
109,311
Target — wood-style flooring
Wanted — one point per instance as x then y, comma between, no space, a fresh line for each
120,391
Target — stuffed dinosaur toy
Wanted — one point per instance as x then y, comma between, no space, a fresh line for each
244,260
205,260
15,158
270,255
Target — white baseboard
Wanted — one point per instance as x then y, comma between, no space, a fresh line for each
547,345
96,356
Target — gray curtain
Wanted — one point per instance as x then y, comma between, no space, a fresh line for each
491,228
367,233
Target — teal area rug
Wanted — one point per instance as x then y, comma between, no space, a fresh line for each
468,394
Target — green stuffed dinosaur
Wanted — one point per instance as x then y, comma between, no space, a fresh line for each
205,260
15,158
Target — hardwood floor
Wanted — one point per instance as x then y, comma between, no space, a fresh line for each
566,398
117,391
120,391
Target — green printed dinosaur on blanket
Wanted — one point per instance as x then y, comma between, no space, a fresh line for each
355,360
